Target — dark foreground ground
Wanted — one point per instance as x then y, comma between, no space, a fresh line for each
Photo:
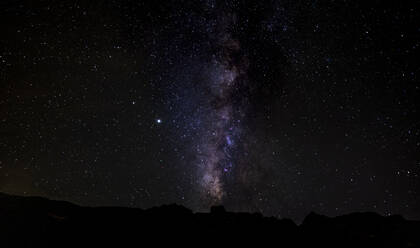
39,222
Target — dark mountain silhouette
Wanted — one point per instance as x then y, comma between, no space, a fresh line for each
39,222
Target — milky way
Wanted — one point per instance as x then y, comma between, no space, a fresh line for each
216,158
216,153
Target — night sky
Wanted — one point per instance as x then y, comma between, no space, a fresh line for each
281,107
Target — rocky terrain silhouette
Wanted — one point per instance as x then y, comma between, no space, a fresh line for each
39,222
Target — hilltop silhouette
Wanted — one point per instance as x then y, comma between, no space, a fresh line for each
39,222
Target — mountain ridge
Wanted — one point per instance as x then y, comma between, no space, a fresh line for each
37,221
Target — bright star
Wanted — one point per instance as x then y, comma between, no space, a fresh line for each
159,121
